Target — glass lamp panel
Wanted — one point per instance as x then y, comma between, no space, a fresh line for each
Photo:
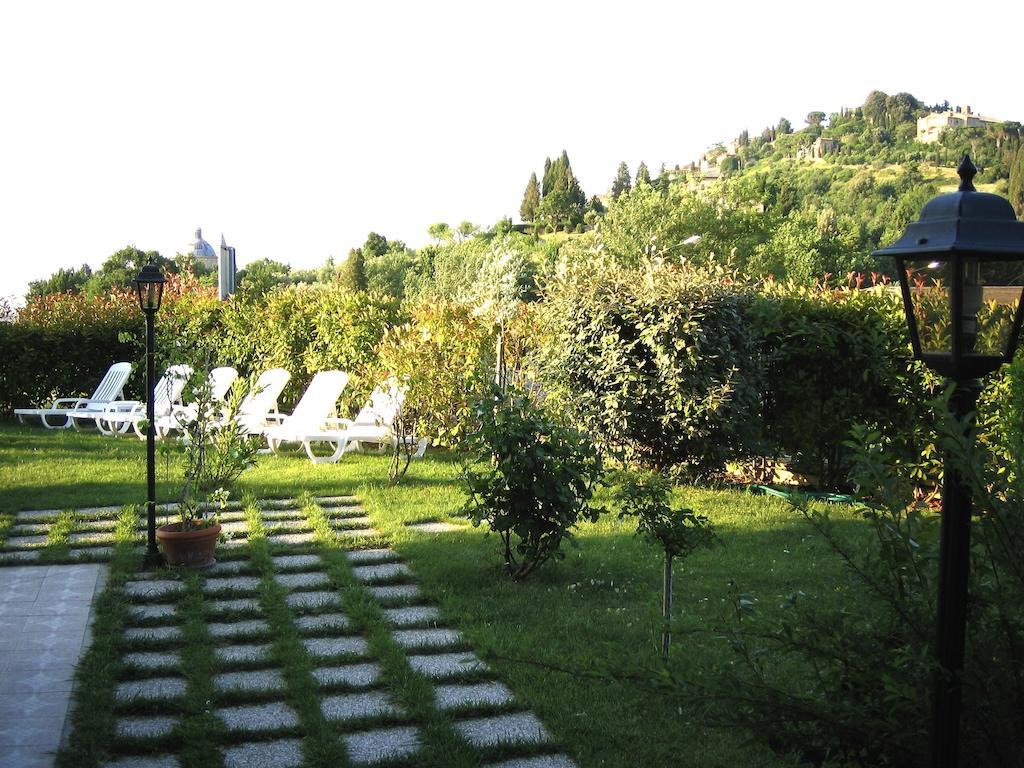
928,281
992,293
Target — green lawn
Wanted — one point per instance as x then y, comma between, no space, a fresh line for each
579,642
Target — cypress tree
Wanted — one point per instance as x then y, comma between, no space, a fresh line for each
531,200
546,183
622,182
352,274
643,176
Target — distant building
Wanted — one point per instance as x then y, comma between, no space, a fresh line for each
931,126
203,252
823,145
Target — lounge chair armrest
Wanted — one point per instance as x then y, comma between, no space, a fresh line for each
276,418
124,406
70,402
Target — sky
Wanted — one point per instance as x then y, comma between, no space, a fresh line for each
294,129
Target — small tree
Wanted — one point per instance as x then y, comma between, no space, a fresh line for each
531,200
532,482
353,272
622,182
643,176
679,532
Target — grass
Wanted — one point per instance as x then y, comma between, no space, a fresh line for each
579,642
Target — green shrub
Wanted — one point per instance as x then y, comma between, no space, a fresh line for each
835,358
532,482
446,357
657,363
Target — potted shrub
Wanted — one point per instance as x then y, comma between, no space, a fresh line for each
217,451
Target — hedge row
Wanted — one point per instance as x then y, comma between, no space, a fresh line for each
667,366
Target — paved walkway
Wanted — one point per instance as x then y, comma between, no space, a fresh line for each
44,628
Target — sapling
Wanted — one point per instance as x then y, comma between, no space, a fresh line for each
678,531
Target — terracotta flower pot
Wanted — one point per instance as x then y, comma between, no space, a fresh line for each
191,549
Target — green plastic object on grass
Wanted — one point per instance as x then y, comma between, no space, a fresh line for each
829,498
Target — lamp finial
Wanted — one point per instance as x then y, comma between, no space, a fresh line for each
966,172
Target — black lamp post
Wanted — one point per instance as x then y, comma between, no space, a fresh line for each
150,286
961,269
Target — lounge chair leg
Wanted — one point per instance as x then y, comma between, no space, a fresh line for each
339,449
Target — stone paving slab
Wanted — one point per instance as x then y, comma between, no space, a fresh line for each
231,584
91,537
337,501
97,553
242,654
355,706
96,525
427,638
251,628
153,634
27,529
439,666
147,590
26,542
144,727
382,744
287,525
295,562
354,675
151,689
145,761
538,761
320,622
307,580
259,717
359,533
516,728
260,680
283,753
322,647
152,660
306,600
228,567
488,694
292,513
151,612
395,593
354,521
235,527
230,517
411,616
372,574
366,556
247,604
435,527
19,557
292,538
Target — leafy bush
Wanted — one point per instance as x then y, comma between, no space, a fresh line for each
658,363
849,685
834,358
533,480
446,357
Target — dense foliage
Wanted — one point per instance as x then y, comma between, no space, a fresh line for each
532,481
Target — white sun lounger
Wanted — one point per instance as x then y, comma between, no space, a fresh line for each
121,415
220,381
111,387
317,405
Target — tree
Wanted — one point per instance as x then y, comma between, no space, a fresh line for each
262,276
643,176
62,281
531,200
815,118
562,201
1016,190
622,182
375,245
784,127
466,230
353,271
121,268
441,231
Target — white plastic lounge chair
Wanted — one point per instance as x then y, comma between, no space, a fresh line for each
111,388
374,425
219,381
121,415
258,411
310,416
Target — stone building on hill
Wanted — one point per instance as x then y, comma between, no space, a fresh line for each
203,252
931,126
